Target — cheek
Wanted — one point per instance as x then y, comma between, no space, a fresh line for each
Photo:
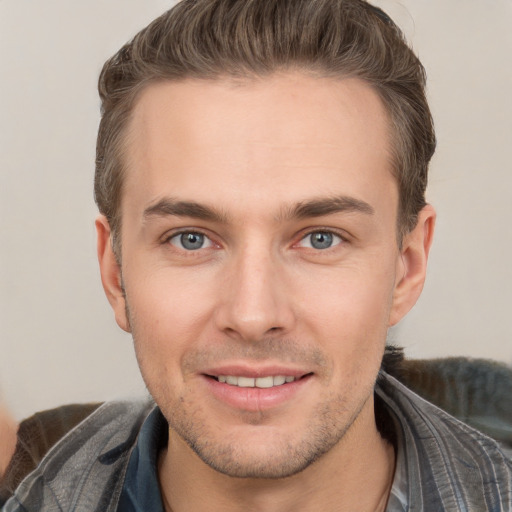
349,313
168,298
350,297
165,316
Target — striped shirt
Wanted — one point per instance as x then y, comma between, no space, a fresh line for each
442,464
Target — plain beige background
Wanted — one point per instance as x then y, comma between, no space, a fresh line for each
59,341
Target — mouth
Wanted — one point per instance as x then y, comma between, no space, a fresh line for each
256,389
266,382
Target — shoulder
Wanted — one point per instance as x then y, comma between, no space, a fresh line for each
87,465
446,459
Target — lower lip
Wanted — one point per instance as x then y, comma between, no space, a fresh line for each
255,399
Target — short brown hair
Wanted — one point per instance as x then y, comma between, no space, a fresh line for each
208,39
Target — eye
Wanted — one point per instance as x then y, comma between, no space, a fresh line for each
190,241
320,240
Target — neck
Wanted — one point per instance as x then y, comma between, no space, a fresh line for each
356,474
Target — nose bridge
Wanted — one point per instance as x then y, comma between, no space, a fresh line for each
255,299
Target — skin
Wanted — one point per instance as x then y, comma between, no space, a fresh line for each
8,429
236,162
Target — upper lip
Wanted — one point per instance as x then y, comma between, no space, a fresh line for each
253,371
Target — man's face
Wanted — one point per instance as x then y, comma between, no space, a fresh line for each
259,248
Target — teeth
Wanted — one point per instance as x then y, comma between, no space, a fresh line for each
260,382
281,379
245,382
263,382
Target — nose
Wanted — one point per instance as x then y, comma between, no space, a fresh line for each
255,300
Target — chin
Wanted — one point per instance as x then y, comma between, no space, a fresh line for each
258,462
262,452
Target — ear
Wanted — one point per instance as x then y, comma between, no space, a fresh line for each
111,273
412,266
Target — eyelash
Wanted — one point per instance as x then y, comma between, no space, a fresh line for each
167,239
343,239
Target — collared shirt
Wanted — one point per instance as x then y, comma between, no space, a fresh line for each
141,491
415,483
449,466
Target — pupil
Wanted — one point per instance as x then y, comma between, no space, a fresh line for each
192,241
321,240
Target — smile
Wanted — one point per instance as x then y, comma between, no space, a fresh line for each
255,382
257,390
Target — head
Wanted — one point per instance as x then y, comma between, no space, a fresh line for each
208,39
261,173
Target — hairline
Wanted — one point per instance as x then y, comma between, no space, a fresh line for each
122,140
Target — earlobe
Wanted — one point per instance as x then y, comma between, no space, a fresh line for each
413,265
111,272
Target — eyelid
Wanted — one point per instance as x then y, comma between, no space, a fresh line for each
342,235
207,243
169,235
320,229
337,240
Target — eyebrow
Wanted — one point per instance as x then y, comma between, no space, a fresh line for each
170,206
327,206
302,210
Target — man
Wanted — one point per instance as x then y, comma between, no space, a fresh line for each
261,170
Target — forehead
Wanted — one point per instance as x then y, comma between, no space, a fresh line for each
285,135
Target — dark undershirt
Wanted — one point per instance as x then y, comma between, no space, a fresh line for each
141,492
